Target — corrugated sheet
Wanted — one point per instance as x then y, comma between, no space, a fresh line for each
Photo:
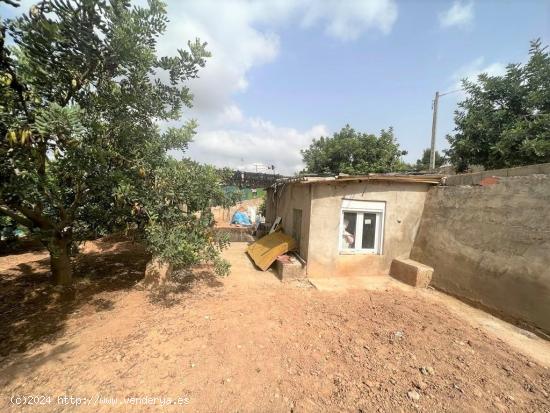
422,179
266,250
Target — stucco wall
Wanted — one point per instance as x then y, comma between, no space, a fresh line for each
223,216
491,245
282,204
404,205
270,212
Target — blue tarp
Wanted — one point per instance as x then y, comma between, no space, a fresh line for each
240,218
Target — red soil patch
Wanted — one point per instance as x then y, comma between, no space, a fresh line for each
247,343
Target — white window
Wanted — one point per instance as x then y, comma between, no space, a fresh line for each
362,226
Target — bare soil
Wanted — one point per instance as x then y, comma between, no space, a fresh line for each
245,343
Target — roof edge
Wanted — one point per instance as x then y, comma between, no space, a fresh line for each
417,179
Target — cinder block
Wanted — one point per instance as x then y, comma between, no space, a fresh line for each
411,272
454,180
496,172
467,180
289,268
526,170
476,178
237,234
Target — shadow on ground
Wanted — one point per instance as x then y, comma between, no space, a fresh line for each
21,365
33,311
184,281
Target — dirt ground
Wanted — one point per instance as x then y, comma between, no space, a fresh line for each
245,343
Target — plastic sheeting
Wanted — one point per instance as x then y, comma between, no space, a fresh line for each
240,218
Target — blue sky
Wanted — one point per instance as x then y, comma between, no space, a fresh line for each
284,72
383,73
380,80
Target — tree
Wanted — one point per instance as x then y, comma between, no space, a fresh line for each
81,95
423,163
353,153
505,120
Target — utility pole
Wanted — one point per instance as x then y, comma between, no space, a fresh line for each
434,129
434,124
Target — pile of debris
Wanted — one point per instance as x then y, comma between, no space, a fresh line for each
278,248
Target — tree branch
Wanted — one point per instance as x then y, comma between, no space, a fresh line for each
14,3
35,217
83,79
6,64
16,217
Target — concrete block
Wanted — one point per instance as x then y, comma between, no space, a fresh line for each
476,178
237,234
526,170
458,180
289,268
411,272
496,172
454,180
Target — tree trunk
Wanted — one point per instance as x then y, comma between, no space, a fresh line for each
60,261
157,273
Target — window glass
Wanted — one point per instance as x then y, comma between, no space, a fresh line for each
369,230
348,235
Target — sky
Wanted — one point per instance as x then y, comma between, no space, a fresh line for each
284,72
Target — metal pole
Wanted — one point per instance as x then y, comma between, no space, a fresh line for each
434,128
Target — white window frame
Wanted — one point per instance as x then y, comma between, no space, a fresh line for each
360,208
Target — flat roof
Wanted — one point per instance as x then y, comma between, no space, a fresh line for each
401,178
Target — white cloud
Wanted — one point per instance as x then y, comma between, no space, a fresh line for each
231,114
236,47
474,68
237,44
471,71
242,35
347,20
252,141
461,14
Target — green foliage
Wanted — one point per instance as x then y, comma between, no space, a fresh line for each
505,120
8,228
179,220
81,96
262,209
423,163
354,153
59,123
